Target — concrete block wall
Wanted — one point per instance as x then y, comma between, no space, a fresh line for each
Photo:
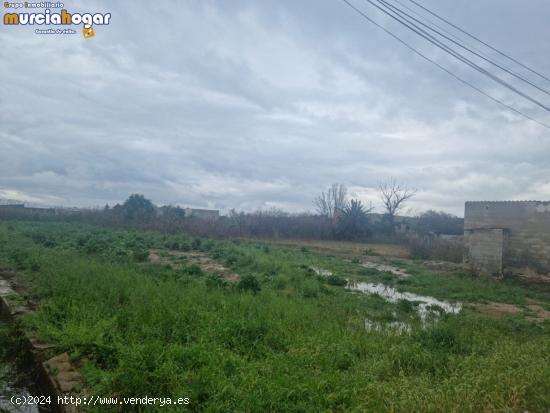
485,250
527,230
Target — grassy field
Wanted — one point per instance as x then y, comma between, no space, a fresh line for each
280,338
347,248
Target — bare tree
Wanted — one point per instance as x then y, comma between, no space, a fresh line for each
394,195
332,202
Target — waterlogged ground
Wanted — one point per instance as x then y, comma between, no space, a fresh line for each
251,326
425,305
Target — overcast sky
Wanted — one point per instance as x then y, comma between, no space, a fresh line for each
259,104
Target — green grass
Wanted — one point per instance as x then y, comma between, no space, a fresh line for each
296,344
467,287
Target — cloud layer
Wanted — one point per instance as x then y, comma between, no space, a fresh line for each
251,105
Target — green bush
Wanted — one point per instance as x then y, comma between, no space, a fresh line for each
42,239
140,255
194,270
310,289
196,244
249,283
184,246
215,282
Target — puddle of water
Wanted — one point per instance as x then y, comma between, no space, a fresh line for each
386,268
427,305
322,272
393,327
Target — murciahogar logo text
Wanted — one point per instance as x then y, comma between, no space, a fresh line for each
63,18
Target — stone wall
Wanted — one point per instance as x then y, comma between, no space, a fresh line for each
524,239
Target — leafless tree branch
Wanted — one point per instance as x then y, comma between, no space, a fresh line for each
332,202
393,196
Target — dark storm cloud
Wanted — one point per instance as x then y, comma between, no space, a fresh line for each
262,104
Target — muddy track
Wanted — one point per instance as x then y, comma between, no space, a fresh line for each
177,259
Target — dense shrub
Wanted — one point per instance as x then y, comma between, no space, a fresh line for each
249,283
42,239
438,223
215,282
140,254
194,269
435,248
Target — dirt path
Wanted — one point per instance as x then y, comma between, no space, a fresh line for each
177,259
532,312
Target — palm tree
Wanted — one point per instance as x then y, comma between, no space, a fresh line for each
354,222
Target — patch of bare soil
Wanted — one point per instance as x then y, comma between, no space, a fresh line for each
498,310
534,312
445,266
207,264
154,258
540,313
529,276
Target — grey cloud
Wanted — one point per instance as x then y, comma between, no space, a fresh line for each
257,104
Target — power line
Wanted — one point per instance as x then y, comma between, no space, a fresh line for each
421,32
480,41
461,45
431,22
443,29
410,47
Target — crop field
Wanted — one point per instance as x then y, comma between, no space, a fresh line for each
248,326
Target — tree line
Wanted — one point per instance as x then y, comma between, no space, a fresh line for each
337,217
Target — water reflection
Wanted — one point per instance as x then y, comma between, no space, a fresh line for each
427,306
393,327
321,271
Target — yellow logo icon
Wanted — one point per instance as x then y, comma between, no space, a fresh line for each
88,31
